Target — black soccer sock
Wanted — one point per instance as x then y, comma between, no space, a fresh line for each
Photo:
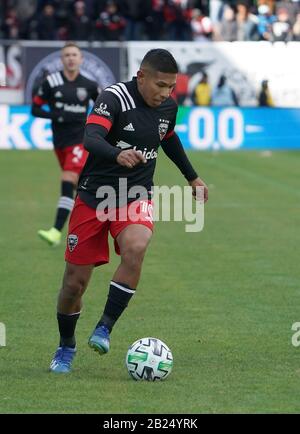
65,204
66,325
117,301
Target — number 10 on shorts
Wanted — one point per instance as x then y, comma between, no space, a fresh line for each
147,210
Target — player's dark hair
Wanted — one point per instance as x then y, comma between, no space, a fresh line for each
160,60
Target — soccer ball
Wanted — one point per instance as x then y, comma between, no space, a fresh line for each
149,359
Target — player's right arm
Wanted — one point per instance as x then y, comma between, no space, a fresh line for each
99,123
40,99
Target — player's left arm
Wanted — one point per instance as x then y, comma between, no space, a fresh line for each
173,148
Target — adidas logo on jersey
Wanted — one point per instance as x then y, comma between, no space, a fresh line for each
58,94
129,127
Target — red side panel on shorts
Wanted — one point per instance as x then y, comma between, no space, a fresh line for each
99,120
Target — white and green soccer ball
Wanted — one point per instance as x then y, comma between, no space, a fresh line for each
149,359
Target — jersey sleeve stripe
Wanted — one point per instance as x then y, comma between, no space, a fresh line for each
59,78
54,78
118,95
50,81
99,120
38,100
121,95
122,85
170,134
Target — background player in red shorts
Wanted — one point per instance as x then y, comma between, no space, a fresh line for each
128,123
67,93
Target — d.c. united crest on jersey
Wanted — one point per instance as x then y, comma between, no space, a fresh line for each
162,129
81,93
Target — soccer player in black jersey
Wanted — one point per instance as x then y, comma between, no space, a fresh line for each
128,123
68,94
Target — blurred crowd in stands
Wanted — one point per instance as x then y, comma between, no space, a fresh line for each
222,94
123,20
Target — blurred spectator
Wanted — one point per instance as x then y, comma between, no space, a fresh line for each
110,24
202,93
178,15
94,8
292,8
264,97
155,20
201,26
11,25
265,21
179,20
282,28
14,15
223,94
135,13
228,27
296,28
1,20
25,9
46,24
80,27
64,11
216,11
65,5
246,23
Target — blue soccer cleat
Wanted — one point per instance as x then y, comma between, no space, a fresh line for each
62,360
100,340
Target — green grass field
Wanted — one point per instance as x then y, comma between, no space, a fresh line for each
224,300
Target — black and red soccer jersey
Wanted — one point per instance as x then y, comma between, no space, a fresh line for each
125,121
68,102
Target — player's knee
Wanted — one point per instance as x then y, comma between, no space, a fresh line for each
74,286
134,254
